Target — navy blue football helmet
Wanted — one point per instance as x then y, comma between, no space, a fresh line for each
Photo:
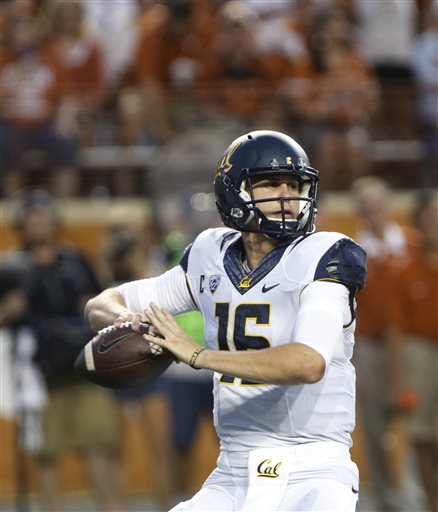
262,154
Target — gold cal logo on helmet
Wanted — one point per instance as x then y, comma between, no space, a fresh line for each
225,165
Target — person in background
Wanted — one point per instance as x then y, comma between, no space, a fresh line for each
414,307
386,32
23,391
30,86
78,57
346,100
78,415
425,68
384,240
164,63
13,305
115,31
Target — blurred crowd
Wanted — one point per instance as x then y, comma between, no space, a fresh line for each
181,77
122,98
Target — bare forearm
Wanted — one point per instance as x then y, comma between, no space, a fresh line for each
103,309
289,364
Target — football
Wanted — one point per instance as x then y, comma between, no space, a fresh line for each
121,358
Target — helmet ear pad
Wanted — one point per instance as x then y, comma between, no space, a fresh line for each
234,204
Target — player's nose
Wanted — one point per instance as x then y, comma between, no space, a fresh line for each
286,189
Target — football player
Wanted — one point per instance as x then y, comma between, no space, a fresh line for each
278,301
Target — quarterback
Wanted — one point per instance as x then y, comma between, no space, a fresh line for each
278,301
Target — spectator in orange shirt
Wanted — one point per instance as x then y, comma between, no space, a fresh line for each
384,241
164,65
79,61
231,72
414,307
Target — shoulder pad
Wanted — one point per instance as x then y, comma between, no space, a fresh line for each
206,240
344,262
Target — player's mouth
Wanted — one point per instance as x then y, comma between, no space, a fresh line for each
279,215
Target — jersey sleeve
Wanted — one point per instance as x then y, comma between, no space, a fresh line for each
168,291
321,317
344,262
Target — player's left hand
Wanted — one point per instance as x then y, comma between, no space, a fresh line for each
174,338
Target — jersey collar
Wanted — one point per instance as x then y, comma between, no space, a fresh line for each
242,280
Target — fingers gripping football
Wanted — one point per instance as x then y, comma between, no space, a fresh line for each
128,316
173,337
136,322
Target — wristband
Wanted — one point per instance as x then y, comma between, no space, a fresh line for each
195,357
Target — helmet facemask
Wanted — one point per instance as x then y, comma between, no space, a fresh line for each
250,217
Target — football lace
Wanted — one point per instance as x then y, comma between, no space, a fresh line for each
156,350
111,328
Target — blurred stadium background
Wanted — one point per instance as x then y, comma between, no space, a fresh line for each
122,108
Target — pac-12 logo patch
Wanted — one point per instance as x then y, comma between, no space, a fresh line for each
213,282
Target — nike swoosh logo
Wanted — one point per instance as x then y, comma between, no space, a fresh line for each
267,288
355,491
105,347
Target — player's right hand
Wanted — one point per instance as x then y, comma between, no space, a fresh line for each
130,316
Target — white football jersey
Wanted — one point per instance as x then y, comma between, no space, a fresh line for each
250,310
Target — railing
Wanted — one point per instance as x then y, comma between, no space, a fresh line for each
136,156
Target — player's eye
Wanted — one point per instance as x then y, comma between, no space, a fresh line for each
265,184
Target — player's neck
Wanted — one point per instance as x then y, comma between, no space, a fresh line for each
257,247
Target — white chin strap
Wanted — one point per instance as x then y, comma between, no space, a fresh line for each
246,197
304,212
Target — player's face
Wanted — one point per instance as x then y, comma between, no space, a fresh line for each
277,187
